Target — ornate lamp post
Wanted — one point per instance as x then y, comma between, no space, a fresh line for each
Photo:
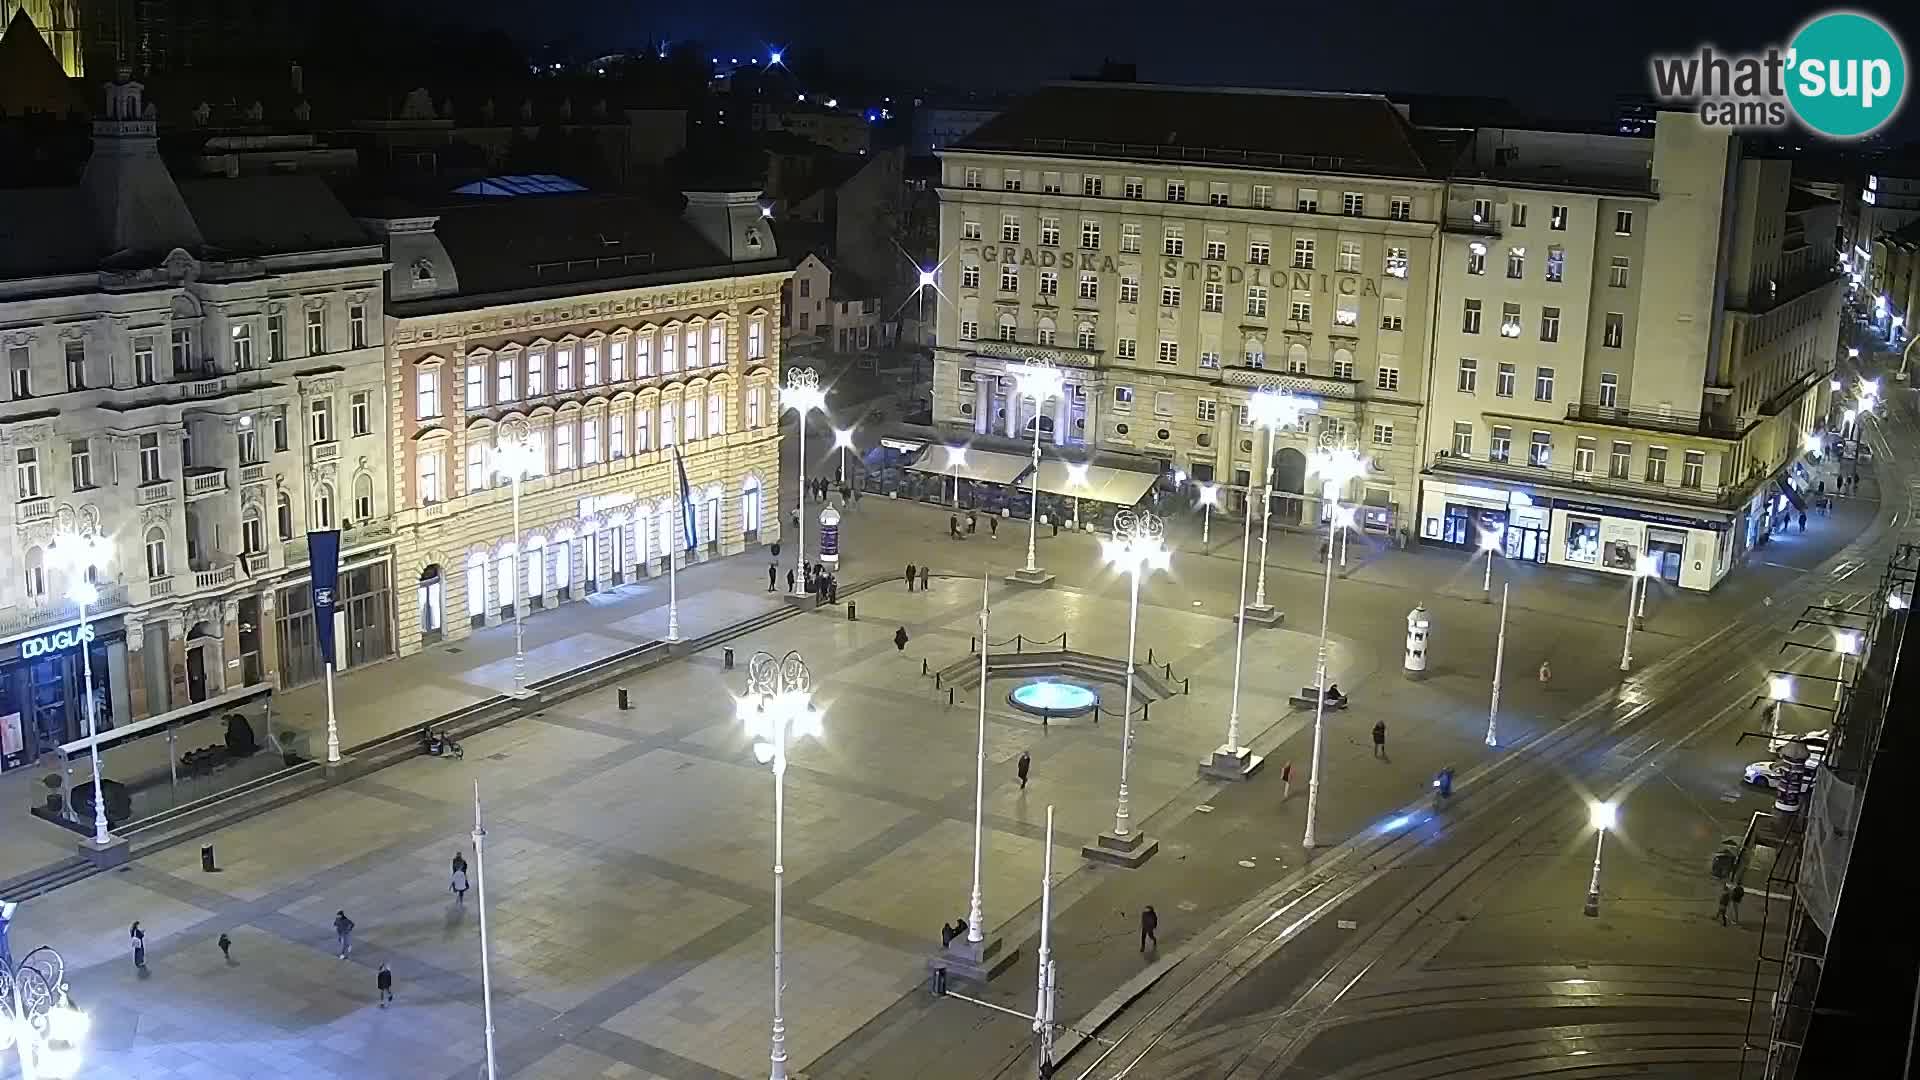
956,460
1077,479
517,457
803,395
1040,381
1603,816
36,1018
1490,540
1643,566
1336,467
1271,410
778,707
78,557
1230,760
843,442
1209,498
1138,545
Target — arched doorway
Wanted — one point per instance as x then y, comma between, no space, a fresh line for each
430,598
1289,484
203,661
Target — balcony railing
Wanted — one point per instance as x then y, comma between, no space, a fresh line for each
253,474
295,550
38,508
1705,425
113,594
211,387
324,451
202,481
1574,479
158,587
1264,379
158,491
1472,225
217,578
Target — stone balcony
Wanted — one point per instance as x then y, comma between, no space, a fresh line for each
321,452
159,491
51,612
1267,379
36,509
202,481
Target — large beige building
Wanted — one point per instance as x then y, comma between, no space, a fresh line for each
193,375
1178,249
603,333
1634,337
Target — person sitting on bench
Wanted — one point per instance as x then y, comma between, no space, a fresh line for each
1333,692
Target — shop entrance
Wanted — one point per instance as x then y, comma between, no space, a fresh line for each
1526,535
430,597
203,660
1668,549
1289,484
1464,524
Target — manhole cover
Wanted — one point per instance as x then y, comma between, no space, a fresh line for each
497,757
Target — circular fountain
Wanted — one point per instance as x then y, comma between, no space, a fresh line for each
1052,699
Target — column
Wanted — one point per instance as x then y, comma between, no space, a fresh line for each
270,638
136,632
1062,415
543,568
177,659
1013,414
982,405
229,648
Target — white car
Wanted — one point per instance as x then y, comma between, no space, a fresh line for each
1765,774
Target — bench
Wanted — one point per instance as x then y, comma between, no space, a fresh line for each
1309,696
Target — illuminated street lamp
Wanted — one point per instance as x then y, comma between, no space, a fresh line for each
1077,479
1209,498
1846,643
1138,545
1271,410
1602,816
843,442
1896,602
1643,567
1490,540
956,460
1040,381
517,457
1499,660
79,559
778,706
1341,517
1812,444
803,395
37,1018
1233,761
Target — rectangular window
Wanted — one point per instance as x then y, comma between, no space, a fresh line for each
1618,269
1090,235
1262,196
695,357
20,371
756,338
1353,204
1504,380
1620,460
181,346
1396,262
1346,311
1215,298
716,415
1500,448
562,445
276,337
504,366
1543,384
320,420
1172,242
969,276
1483,210
1009,277
1386,378
590,440
1556,263
1609,390
1217,194
1206,411
1135,188
476,384
1400,208
1549,324
1623,222
643,356
1129,239
1169,352
476,466
1043,335
536,372
1089,286
1049,232
1007,329
1462,439
971,178
357,324
316,331
1516,263
669,351
1257,301
1260,253
617,359
1557,220
1307,201
1583,452
1049,283
80,453
1392,313
1510,320
1476,258
280,425
430,476
1300,310
1470,317
1303,254
969,329
240,337
1012,180
1656,464
1216,251
1342,369
1383,434
1693,467
426,395
1210,361
360,412
590,364
1126,348
1176,191
1349,256
617,433
969,230
26,472
1090,186
1469,375
1050,183
146,371
150,459
1615,330
642,430
1010,229
1170,296
1086,339
1540,451
1163,403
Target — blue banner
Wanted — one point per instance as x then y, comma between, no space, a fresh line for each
323,548
686,502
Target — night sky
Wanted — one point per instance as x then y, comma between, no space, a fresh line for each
1554,56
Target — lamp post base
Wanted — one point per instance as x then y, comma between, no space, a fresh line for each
1037,578
1130,851
802,601
1264,614
1229,764
1592,908
334,767
522,693
114,852
974,961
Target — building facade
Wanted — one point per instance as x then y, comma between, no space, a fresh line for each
1634,339
509,326
194,372
1280,241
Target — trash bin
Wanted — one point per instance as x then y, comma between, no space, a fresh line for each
623,700
206,858
726,657
852,612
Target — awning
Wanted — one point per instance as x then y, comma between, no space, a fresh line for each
1117,486
985,466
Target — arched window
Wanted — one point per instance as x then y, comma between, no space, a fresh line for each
1046,332
1297,359
750,505
283,515
322,517
477,586
1256,353
253,531
1007,326
156,553
717,343
363,497
36,573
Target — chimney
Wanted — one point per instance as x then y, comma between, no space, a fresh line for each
734,222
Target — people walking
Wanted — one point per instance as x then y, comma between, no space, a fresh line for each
900,640
773,576
1734,896
953,526
384,983
925,573
993,527
973,522
1803,521
343,930
1149,927
1546,673
911,570
1024,766
1380,739
138,939
789,581
226,947
458,886
1726,897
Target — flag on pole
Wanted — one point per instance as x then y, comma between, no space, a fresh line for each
686,502
323,549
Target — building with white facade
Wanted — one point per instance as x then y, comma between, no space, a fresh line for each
603,334
1633,339
1176,249
194,375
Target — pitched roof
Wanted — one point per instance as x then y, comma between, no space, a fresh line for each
1350,133
266,215
31,78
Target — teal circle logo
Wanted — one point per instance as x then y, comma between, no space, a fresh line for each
1846,74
